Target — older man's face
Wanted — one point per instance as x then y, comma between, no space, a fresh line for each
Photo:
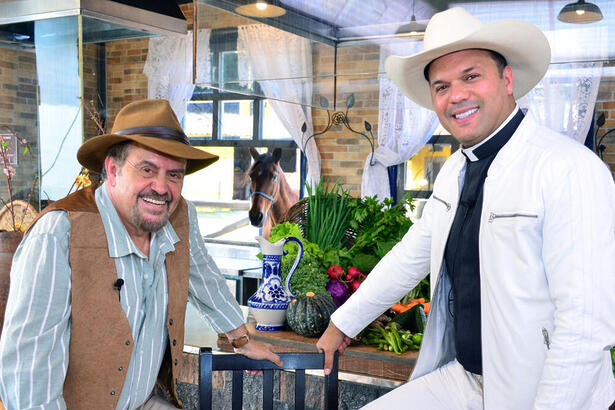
145,189
469,96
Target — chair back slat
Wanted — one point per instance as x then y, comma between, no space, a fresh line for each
238,363
205,381
267,389
331,386
299,389
237,389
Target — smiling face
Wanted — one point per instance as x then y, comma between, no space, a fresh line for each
145,188
469,95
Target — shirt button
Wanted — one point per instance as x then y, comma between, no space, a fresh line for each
175,362
113,392
171,322
174,342
127,342
119,369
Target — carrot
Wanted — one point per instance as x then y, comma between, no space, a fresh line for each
426,307
400,308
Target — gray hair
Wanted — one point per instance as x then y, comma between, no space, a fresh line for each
118,152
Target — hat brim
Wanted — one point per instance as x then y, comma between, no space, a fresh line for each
92,152
524,46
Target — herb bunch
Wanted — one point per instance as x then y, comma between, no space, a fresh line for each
328,212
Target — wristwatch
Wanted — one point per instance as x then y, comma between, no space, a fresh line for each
240,341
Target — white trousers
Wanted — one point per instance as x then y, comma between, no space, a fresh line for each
449,387
156,403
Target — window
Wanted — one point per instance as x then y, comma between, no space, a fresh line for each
420,171
227,124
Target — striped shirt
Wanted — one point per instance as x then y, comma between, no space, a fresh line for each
36,332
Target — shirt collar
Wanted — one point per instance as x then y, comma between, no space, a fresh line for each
497,139
118,241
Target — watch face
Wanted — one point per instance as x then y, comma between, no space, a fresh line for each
240,341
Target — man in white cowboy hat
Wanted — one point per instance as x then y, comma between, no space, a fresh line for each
95,315
518,236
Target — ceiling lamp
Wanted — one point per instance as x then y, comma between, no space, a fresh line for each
580,13
413,27
260,9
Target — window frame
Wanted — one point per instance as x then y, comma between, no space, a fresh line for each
401,180
224,40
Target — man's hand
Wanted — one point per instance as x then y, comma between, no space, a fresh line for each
333,339
259,351
253,349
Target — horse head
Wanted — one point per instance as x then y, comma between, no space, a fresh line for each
264,177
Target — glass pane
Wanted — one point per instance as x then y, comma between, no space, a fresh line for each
221,192
199,119
273,128
423,167
237,119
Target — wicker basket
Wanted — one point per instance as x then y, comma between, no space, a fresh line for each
298,214
6,222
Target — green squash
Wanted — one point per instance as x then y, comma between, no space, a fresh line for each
308,315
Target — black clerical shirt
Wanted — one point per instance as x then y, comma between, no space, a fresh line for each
461,254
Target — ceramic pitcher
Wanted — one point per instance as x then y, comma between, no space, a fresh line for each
268,304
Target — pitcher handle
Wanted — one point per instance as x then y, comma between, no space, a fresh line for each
297,260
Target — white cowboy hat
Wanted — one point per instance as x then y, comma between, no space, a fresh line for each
524,46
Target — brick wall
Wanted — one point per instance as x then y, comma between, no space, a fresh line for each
344,152
18,110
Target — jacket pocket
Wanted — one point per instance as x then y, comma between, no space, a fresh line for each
443,202
493,216
546,338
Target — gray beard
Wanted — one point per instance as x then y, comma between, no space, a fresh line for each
144,225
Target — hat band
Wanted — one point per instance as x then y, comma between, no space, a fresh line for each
157,132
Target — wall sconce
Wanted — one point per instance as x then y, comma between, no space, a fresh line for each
580,12
340,117
598,146
260,9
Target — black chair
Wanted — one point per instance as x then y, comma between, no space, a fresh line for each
299,362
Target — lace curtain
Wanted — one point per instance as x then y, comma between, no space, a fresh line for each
169,68
282,64
564,100
403,128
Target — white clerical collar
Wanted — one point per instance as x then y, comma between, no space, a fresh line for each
469,152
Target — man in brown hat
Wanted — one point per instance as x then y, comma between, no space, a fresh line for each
95,316
518,237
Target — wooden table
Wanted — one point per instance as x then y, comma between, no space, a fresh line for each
358,359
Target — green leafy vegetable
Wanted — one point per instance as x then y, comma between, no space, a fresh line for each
310,275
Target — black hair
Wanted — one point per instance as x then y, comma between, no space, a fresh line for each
499,59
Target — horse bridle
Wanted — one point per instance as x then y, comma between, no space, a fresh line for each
269,197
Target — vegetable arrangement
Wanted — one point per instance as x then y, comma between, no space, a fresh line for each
392,339
344,239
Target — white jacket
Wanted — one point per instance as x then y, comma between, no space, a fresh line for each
547,263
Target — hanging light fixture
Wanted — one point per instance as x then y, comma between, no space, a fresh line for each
260,9
580,12
413,27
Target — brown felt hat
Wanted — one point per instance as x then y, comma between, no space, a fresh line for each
151,123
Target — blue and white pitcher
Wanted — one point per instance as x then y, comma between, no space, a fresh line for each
268,304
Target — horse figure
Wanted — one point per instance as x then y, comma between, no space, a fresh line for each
271,193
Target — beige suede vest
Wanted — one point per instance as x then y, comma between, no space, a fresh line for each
101,342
